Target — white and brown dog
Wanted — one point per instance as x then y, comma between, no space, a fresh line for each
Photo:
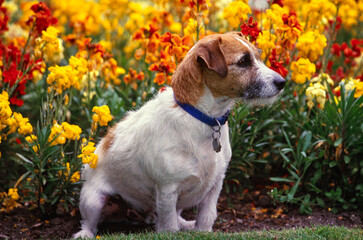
172,153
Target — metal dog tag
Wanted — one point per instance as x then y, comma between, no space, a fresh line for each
217,145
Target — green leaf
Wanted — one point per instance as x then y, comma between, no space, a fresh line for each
333,164
338,142
278,179
27,161
320,202
346,159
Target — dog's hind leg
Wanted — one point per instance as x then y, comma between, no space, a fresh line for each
92,202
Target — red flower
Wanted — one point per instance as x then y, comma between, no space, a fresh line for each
335,49
277,66
4,18
250,29
42,17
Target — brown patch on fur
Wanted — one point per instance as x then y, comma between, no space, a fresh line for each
108,139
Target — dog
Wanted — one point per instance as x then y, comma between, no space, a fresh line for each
172,153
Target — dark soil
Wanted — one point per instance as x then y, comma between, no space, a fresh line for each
254,211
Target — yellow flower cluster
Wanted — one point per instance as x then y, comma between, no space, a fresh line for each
75,176
311,45
50,45
316,91
351,84
9,200
318,12
5,111
88,156
236,12
61,133
349,13
23,125
302,70
266,42
102,115
274,17
65,77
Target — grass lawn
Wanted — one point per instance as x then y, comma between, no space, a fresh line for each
320,232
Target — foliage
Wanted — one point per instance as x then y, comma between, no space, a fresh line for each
72,68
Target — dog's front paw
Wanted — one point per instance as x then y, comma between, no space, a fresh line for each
83,234
169,227
203,228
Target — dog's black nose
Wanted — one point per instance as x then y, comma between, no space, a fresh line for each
279,82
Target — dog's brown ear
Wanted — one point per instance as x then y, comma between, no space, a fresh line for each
210,55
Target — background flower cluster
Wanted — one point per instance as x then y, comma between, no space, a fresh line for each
69,69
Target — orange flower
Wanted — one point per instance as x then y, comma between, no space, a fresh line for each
175,45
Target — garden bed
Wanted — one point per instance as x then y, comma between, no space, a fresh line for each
236,214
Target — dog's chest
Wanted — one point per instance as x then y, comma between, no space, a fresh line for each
211,169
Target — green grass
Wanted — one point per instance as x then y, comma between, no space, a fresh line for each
320,232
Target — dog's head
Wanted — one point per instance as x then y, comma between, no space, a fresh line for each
229,66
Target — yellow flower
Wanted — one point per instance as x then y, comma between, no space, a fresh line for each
75,177
358,89
5,110
316,91
111,72
192,27
88,156
80,65
71,132
9,199
236,12
57,135
302,70
311,45
13,193
23,123
60,133
31,140
102,115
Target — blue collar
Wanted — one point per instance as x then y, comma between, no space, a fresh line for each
203,117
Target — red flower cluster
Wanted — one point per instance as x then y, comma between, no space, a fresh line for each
277,66
4,18
250,29
42,18
349,53
16,72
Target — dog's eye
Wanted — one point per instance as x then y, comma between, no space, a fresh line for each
244,61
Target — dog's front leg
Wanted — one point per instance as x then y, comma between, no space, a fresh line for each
166,199
207,208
